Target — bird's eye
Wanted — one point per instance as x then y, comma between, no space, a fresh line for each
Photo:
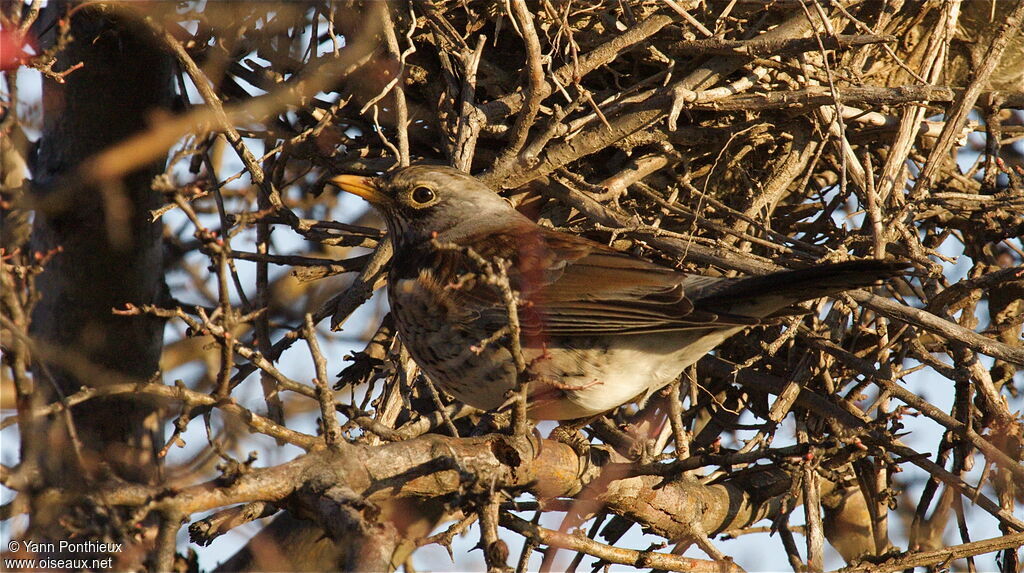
422,195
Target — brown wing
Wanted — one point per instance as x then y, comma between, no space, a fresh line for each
571,286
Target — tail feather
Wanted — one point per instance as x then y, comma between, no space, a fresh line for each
766,294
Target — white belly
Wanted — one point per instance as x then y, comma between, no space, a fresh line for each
613,371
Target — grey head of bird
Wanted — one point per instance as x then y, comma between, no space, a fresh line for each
422,203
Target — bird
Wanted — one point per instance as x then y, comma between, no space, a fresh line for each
598,327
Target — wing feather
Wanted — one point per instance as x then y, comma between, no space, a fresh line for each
570,286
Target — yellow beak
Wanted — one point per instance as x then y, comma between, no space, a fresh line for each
361,186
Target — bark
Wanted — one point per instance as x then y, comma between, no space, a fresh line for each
108,251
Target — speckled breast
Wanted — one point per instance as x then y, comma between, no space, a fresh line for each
447,342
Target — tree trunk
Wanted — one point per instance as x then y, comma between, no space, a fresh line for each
107,250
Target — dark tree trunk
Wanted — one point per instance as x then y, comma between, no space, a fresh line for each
109,249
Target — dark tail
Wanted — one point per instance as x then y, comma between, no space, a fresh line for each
790,287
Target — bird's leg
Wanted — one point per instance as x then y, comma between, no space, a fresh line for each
544,355
546,388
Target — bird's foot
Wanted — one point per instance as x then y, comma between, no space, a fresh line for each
570,434
493,422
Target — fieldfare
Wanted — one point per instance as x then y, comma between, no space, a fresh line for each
598,327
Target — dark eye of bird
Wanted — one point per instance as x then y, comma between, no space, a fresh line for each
422,195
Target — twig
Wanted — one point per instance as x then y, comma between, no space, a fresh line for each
812,511
332,432
957,116
686,16
401,109
470,118
255,422
213,101
944,328
534,91
760,47
209,528
166,541
495,549
605,53
918,403
938,557
639,559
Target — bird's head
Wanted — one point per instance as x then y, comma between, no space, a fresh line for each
424,202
